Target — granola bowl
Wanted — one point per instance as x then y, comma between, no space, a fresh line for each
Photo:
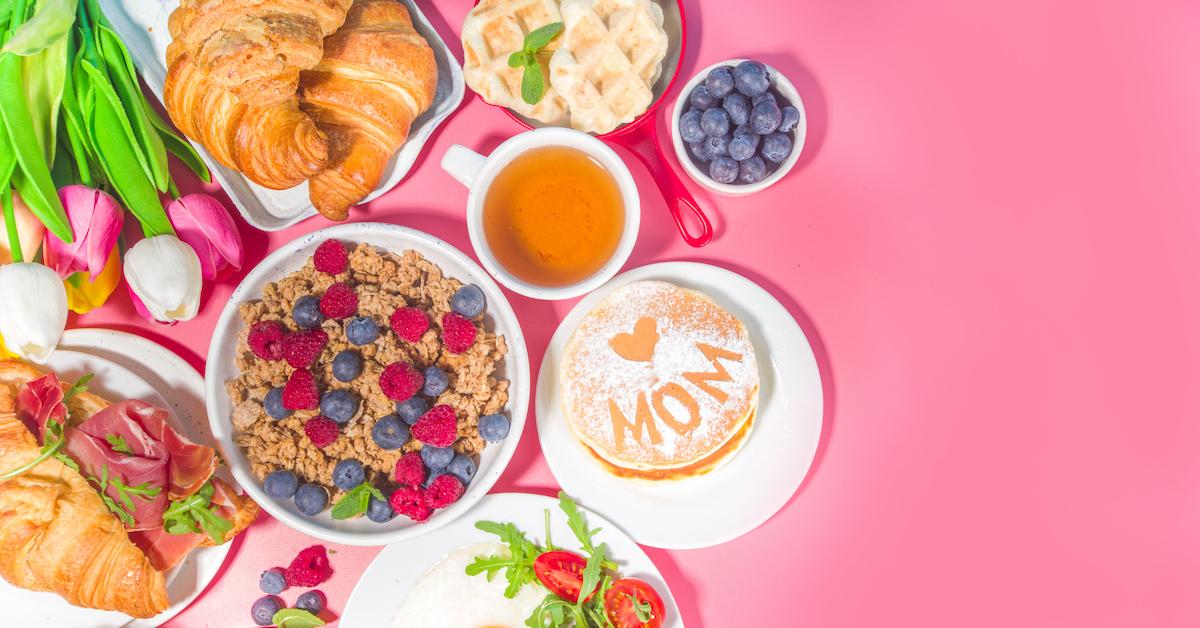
343,443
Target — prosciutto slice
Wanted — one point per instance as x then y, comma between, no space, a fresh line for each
39,401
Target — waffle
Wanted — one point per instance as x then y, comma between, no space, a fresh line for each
492,31
609,56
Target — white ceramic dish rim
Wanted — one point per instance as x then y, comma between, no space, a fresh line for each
785,88
272,267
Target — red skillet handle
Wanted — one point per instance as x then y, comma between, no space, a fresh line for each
640,141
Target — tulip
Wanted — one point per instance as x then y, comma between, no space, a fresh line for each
163,274
85,294
96,220
33,310
204,223
29,232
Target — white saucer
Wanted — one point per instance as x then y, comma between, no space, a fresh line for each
737,497
384,585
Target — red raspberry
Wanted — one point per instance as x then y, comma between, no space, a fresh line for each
309,568
265,340
411,502
300,392
409,323
331,257
410,471
400,381
339,301
458,332
438,427
322,431
444,490
302,348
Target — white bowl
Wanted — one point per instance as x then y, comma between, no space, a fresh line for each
785,89
290,257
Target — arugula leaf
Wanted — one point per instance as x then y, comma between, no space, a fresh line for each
642,609
353,503
51,448
196,513
591,572
79,386
295,618
118,444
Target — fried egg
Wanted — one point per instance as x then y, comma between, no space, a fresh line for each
446,597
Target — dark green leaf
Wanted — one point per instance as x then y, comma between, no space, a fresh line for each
181,148
353,503
148,143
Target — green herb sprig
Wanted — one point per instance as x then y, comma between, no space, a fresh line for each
123,507
53,443
533,83
295,618
119,444
355,501
195,513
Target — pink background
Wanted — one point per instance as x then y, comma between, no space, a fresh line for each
992,240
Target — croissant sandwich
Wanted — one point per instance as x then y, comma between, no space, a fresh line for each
99,500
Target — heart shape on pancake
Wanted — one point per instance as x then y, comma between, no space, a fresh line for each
639,345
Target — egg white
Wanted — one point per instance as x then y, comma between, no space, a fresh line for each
446,597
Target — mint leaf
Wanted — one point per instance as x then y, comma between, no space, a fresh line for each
517,59
533,85
539,38
353,503
296,618
118,444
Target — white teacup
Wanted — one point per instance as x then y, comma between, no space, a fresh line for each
477,172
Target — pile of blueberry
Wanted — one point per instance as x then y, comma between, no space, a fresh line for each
738,124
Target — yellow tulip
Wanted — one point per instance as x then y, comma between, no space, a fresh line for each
84,294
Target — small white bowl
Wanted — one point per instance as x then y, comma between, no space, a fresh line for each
785,89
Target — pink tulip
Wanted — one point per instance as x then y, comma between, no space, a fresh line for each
96,220
204,223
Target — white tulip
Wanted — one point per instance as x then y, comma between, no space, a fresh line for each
164,274
33,310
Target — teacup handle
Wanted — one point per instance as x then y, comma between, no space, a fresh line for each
463,164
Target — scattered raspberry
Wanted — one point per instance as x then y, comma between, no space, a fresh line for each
458,332
339,301
265,340
400,381
438,427
444,490
322,431
409,323
331,257
410,471
309,568
411,502
300,392
302,348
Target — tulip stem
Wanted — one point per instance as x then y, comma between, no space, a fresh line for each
10,225
172,189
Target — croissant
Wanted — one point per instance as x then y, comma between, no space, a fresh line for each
377,75
233,68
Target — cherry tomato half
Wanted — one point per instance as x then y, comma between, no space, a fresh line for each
562,573
627,597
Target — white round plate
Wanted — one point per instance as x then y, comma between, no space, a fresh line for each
127,367
385,584
774,460
288,258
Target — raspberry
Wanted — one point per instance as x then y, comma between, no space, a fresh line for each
330,257
458,332
438,427
322,431
300,392
309,568
444,490
266,339
400,381
409,323
339,301
302,348
410,471
411,502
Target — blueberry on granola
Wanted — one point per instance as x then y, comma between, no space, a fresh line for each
462,467
493,427
311,499
412,409
436,458
339,405
307,312
469,301
390,432
273,404
435,382
362,330
281,484
347,365
348,474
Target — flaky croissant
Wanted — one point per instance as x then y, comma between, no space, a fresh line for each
377,75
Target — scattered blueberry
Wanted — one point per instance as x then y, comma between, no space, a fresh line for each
433,475
264,609
435,382
412,409
307,312
339,405
390,432
791,119
752,170
348,474
462,467
689,127
763,97
738,108
313,601
743,146
701,151
717,146
751,79
311,499
765,117
362,330
273,404
272,581
776,147
715,122
280,484
701,99
720,81
723,170
380,511
347,365
436,458
494,427
468,301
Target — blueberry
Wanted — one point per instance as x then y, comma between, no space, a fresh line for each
411,409
462,467
348,474
752,170
763,97
311,499
347,365
791,119
273,404
765,118
701,99
720,81
776,147
723,170
280,484
737,107
390,432
264,609
307,312
362,330
272,581
701,151
469,301
751,78
715,122
743,146
313,601
433,475
436,458
339,405
494,427
379,511
435,382
718,146
689,127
